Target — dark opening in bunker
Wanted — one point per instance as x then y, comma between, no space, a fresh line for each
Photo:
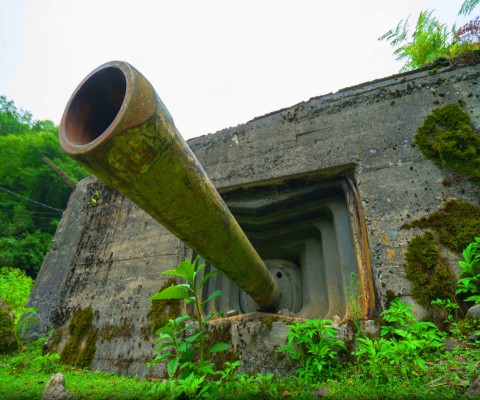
307,233
95,106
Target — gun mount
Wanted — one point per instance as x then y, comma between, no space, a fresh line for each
116,126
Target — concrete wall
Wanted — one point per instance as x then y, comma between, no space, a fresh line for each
110,256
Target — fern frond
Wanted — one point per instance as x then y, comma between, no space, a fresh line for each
468,6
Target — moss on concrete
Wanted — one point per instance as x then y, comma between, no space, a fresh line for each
81,346
430,277
124,330
161,311
457,224
8,339
220,332
447,138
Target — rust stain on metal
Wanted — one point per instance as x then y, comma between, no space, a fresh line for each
363,255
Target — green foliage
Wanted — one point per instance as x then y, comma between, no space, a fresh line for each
430,40
313,344
461,330
468,6
15,288
32,195
15,122
180,341
447,138
25,373
402,348
25,251
431,278
228,378
469,282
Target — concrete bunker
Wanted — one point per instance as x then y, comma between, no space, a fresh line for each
110,256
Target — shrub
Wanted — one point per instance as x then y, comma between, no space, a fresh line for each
313,343
15,288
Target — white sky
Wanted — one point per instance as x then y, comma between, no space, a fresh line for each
214,63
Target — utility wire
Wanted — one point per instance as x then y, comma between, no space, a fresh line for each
26,212
33,201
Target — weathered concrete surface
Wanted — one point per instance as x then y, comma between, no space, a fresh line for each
371,126
110,256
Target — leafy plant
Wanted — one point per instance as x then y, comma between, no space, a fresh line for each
94,198
185,337
430,40
469,282
402,347
228,378
265,382
468,6
313,343
15,288
450,308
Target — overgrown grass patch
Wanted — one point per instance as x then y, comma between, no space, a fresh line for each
24,374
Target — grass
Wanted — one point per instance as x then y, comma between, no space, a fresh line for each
24,374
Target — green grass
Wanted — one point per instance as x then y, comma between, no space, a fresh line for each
24,374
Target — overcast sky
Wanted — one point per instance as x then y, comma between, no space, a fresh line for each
215,64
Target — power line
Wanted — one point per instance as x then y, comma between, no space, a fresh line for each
25,211
33,201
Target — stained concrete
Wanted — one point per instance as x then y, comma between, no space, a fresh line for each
110,256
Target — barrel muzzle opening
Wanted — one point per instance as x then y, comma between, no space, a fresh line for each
95,106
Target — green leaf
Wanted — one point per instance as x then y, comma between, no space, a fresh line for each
216,293
184,270
193,337
198,268
172,366
216,348
206,278
171,292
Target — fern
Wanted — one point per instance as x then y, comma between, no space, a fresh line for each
430,40
468,6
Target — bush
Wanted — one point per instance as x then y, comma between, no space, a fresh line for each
15,288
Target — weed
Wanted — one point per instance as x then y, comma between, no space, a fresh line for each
354,297
181,340
469,282
402,348
313,343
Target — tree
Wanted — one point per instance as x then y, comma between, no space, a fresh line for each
32,194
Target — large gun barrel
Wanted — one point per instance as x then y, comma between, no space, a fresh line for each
116,126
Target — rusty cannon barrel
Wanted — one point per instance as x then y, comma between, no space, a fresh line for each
116,126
